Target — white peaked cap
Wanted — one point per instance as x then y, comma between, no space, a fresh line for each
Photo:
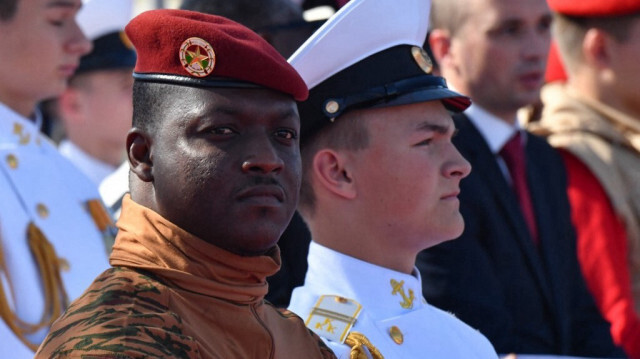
369,54
359,29
100,17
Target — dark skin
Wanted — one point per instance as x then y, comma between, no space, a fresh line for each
222,164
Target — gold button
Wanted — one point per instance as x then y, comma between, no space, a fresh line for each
332,107
43,211
341,300
12,160
63,264
17,129
396,335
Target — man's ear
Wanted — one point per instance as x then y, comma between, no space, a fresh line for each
70,106
139,153
330,171
440,43
596,48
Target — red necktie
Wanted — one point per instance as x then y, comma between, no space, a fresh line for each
513,155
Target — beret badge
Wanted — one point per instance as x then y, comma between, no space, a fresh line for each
197,57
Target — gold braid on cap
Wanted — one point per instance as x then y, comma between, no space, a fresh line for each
55,295
357,341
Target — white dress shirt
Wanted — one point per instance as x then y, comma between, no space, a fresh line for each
495,132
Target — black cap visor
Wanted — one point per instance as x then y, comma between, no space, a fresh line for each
391,77
408,91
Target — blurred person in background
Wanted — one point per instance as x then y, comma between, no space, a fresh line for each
514,273
96,108
280,22
55,233
594,120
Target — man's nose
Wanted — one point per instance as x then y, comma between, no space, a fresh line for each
262,157
77,42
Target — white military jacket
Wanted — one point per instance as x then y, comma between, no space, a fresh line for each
39,186
93,168
114,187
384,305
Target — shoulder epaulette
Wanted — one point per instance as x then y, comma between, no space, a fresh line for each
333,316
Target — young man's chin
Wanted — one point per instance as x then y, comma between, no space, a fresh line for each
455,230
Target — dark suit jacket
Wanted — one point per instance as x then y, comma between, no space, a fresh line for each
525,299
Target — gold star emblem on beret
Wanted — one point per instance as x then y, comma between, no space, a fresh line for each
197,57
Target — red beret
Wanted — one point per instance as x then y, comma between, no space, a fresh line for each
194,49
595,8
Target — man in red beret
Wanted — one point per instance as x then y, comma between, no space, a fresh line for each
594,120
215,174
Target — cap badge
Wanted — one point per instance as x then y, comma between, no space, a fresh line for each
197,57
422,59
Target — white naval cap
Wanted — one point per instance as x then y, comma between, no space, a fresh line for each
369,54
100,17
103,22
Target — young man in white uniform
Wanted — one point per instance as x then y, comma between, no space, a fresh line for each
96,109
380,184
54,230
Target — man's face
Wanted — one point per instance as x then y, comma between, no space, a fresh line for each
409,175
41,47
500,52
624,65
106,98
226,166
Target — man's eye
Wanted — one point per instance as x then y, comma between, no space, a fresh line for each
424,142
544,25
508,29
511,30
57,23
60,18
222,131
287,134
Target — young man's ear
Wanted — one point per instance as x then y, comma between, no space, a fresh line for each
139,153
330,171
440,43
70,106
596,48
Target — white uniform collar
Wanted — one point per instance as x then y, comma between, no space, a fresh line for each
495,131
92,167
16,129
331,272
